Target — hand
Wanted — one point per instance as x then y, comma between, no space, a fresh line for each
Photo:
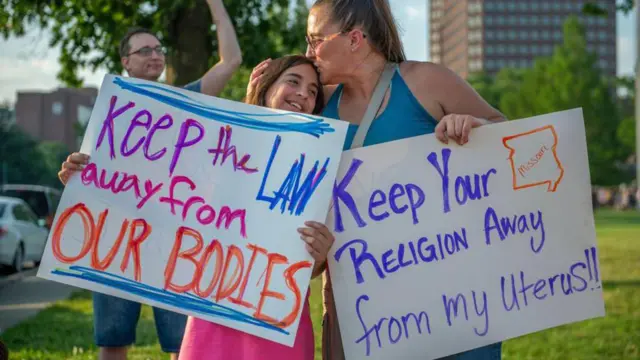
256,75
457,127
75,162
318,238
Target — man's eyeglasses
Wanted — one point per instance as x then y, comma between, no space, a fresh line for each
147,51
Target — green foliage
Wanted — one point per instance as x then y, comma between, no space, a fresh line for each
592,8
236,88
29,162
89,32
570,78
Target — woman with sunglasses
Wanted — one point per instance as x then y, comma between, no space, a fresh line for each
352,42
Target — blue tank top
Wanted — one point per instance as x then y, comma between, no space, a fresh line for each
402,118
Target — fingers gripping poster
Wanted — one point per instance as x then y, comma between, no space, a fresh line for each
443,248
192,204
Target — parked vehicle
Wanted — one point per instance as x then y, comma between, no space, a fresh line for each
43,200
22,235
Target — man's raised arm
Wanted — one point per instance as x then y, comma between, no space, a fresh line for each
217,77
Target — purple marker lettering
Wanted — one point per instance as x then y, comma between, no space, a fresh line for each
165,122
444,175
134,123
182,141
340,193
107,125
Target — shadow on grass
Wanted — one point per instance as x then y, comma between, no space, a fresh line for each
607,217
617,284
61,329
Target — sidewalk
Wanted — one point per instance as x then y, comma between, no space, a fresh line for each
24,295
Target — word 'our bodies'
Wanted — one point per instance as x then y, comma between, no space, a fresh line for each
233,266
517,291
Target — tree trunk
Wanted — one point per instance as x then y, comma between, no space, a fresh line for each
190,45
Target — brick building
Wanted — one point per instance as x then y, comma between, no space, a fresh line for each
487,35
52,116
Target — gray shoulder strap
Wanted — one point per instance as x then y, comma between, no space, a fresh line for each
374,105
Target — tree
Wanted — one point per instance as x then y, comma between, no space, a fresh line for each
53,154
88,32
593,8
570,79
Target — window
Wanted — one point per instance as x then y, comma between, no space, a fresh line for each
2,207
512,35
523,49
524,35
56,108
602,35
21,213
557,35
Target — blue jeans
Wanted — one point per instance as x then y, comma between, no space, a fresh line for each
489,352
115,321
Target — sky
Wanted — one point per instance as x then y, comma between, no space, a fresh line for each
27,63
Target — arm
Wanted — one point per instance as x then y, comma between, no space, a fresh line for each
442,92
450,100
217,77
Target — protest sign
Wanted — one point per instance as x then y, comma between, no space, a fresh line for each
443,248
192,204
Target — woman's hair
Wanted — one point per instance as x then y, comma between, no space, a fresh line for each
271,74
375,19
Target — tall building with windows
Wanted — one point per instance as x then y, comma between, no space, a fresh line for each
487,35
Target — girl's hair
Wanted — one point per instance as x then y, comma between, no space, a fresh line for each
271,74
375,19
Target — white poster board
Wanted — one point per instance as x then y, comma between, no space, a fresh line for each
192,204
445,248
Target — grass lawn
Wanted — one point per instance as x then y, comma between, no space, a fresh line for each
64,330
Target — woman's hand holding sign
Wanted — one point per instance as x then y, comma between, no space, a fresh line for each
319,240
457,128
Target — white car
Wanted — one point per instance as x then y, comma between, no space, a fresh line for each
22,235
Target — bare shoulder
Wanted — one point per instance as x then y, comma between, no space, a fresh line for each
422,72
427,82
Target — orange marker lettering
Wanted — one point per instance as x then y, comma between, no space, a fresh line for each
213,247
89,226
187,255
243,287
289,276
273,260
96,263
134,246
226,289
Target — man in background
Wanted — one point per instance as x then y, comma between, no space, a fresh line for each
143,57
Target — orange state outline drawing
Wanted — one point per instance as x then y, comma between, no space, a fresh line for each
552,184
